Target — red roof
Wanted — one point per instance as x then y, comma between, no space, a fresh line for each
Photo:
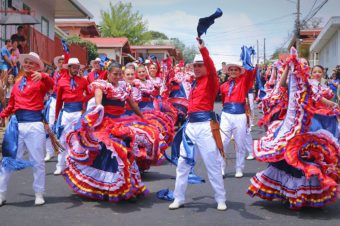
108,42
154,47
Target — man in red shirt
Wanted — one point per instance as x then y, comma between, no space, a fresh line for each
233,117
26,103
50,106
97,73
197,135
72,94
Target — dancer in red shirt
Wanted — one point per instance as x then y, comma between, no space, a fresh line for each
26,103
233,117
198,133
72,92
94,75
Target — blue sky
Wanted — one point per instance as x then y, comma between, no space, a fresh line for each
243,21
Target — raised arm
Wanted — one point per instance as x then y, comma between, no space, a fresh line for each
135,107
98,95
283,80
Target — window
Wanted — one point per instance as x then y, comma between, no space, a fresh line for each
45,26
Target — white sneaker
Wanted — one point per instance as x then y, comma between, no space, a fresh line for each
58,171
221,206
176,204
2,199
39,199
250,157
238,174
223,172
48,157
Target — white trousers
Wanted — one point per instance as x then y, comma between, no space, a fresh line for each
51,119
201,136
249,143
68,120
234,125
251,103
249,138
33,138
91,103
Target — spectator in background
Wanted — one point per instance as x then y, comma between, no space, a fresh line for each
7,93
14,60
2,96
20,38
338,96
222,74
6,63
87,70
333,85
325,75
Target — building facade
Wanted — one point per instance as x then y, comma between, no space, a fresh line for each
326,48
40,38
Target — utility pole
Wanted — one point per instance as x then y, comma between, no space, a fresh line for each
258,53
253,56
264,51
297,25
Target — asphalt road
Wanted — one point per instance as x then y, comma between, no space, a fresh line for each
64,207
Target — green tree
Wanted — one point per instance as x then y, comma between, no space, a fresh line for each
92,52
277,53
120,21
188,52
155,35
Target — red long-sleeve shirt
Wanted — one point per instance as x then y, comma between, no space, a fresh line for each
240,88
68,95
202,96
102,75
31,97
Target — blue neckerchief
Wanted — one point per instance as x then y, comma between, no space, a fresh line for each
193,84
22,83
96,76
56,79
232,82
73,84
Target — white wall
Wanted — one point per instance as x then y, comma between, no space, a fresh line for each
45,8
329,55
110,53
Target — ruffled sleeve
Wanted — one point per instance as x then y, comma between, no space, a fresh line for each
122,92
99,84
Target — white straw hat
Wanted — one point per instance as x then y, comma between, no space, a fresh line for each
235,65
56,59
32,56
95,60
73,61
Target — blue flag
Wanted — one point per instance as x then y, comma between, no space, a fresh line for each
206,22
65,47
246,57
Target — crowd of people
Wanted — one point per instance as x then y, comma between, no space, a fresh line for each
109,124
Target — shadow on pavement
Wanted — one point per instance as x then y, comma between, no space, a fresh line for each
154,176
307,213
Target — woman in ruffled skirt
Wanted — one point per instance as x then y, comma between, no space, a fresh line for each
302,149
104,145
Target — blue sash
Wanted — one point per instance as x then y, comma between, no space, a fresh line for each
10,148
234,108
73,106
68,107
54,94
200,116
111,116
28,116
46,112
